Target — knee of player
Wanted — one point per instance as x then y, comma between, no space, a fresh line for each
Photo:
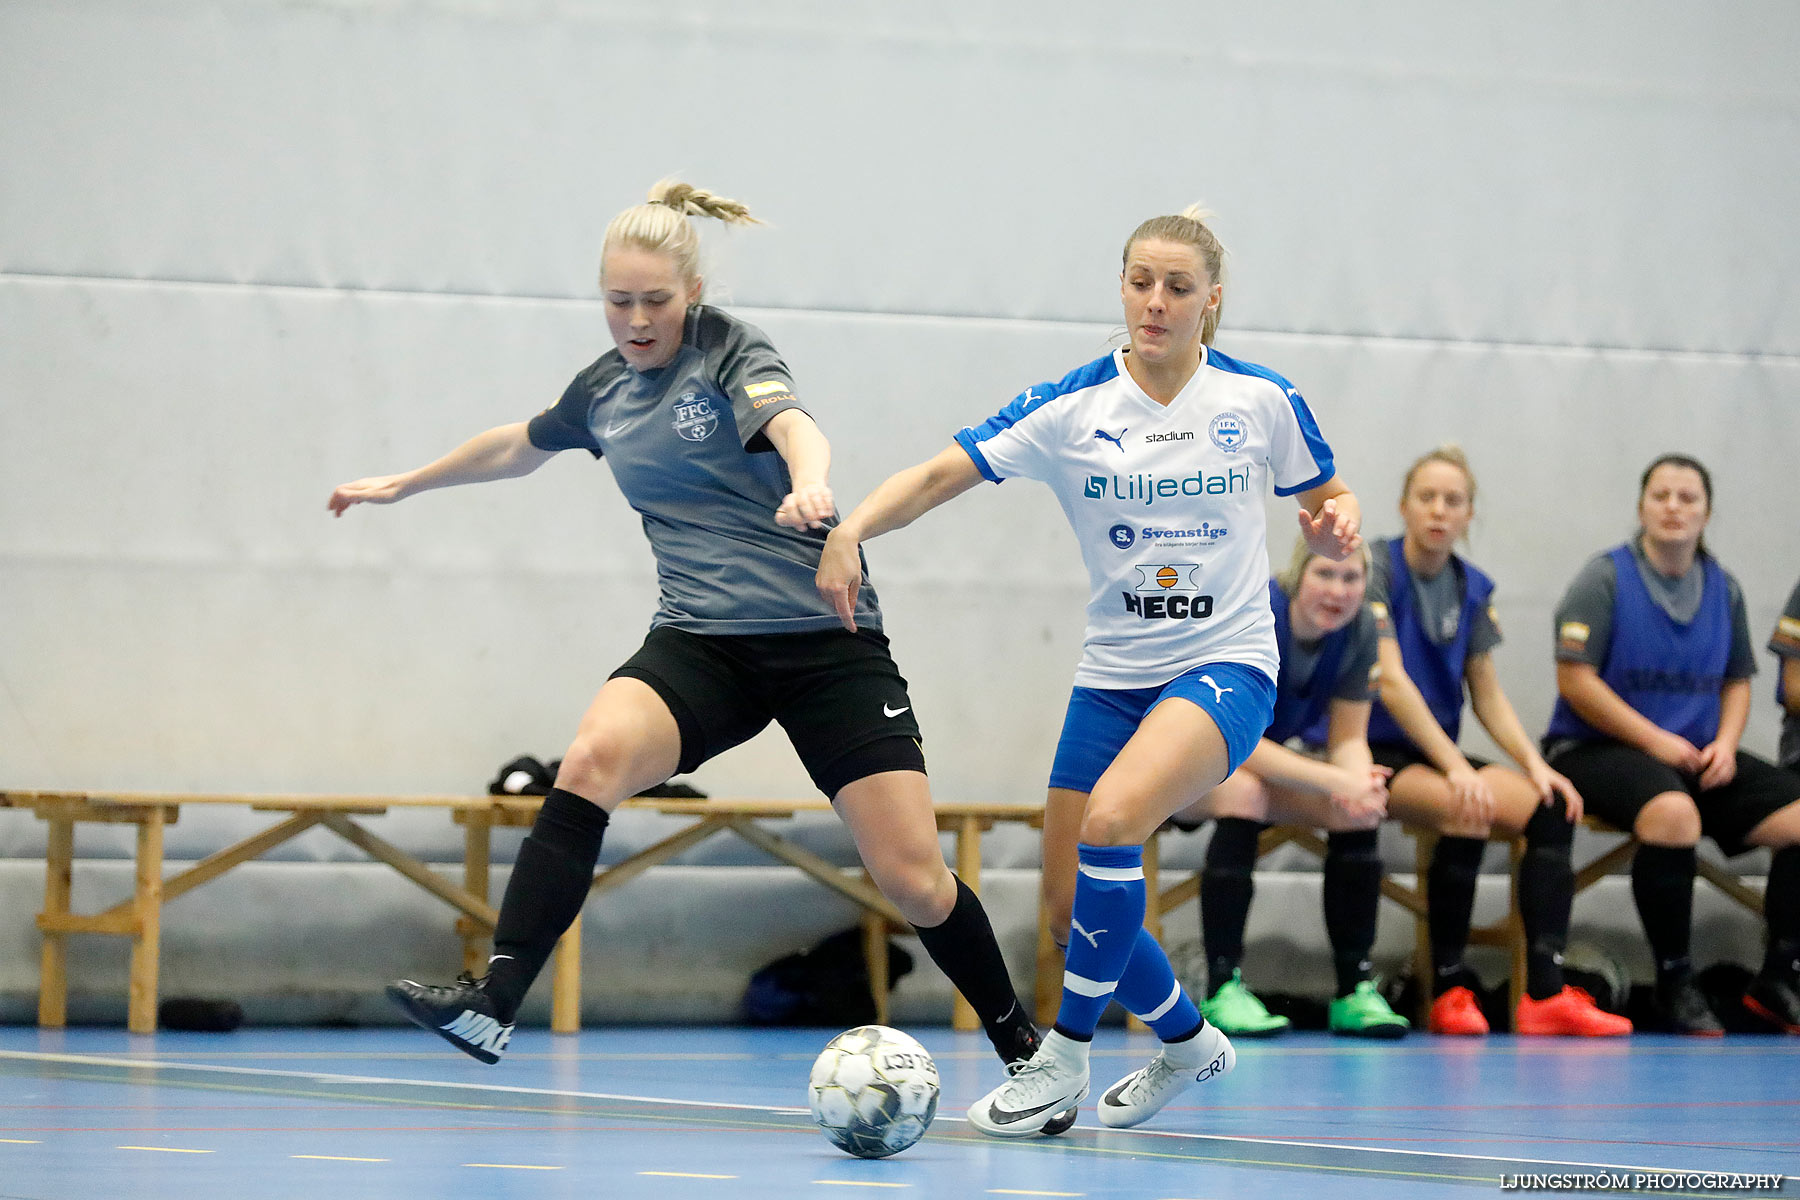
1671,819
921,887
1109,825
1242,795
595,761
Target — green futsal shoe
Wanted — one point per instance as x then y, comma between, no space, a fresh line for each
1364,1014
1235,1009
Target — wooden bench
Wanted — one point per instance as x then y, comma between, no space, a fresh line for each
140,917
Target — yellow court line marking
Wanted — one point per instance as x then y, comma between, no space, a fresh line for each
336,1158
859,1183
19,1142
166,1149
684,1175
512,1167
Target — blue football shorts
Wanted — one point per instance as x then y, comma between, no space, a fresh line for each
1239,699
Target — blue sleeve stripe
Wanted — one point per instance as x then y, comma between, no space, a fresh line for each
1035,397
1315,441
1309,427
966,438
1322,477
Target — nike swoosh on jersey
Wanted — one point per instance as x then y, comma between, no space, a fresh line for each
892,712
615,430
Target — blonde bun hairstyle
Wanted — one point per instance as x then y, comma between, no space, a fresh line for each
661,224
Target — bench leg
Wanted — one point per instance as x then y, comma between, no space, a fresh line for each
53,981
565,994
1424,842
477,858
1048,987
968,865
1515,925
146,942
874,930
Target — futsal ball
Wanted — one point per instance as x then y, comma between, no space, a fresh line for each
874,1091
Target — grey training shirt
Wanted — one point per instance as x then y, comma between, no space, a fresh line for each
685,444
1437,600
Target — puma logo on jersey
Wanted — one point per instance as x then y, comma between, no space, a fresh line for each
482,1032
1093,938
1218,692
1100,435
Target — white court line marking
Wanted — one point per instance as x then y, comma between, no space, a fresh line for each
685,1175
139,1064
19,1142
1022,1192
859,1183
165,1149
335,1158
511,1167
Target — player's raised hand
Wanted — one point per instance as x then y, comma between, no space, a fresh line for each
840,576
377,489
808,506
1335,533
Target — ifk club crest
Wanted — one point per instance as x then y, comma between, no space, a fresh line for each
1227,432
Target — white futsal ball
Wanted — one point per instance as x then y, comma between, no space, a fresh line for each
874,1091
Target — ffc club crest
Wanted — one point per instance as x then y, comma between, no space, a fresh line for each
694,417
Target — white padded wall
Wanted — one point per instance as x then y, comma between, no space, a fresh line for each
249,250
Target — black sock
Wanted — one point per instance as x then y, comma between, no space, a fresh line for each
1781,910
1546,894
1450,892
964,949
1352,893
549,884
1227,885
1662,883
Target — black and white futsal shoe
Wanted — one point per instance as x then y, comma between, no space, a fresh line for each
1025,1046
462,1014
1040,1090
1206,1056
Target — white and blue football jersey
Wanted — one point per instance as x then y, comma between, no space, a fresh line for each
1167,504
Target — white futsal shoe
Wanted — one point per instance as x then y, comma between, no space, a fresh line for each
1142,1094
1041,1088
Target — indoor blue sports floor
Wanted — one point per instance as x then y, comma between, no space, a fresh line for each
720,1114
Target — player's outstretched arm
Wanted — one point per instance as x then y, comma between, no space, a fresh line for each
902,499
504,452
1331,520
802,446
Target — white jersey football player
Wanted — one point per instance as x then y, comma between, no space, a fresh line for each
1160,455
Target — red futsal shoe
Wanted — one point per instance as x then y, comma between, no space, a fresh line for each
1457,1013
1569,1013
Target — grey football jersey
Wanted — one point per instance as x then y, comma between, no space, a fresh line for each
685,445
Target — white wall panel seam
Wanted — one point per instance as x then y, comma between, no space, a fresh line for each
757,312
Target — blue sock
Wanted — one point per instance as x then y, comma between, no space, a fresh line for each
1148,991
1108,916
